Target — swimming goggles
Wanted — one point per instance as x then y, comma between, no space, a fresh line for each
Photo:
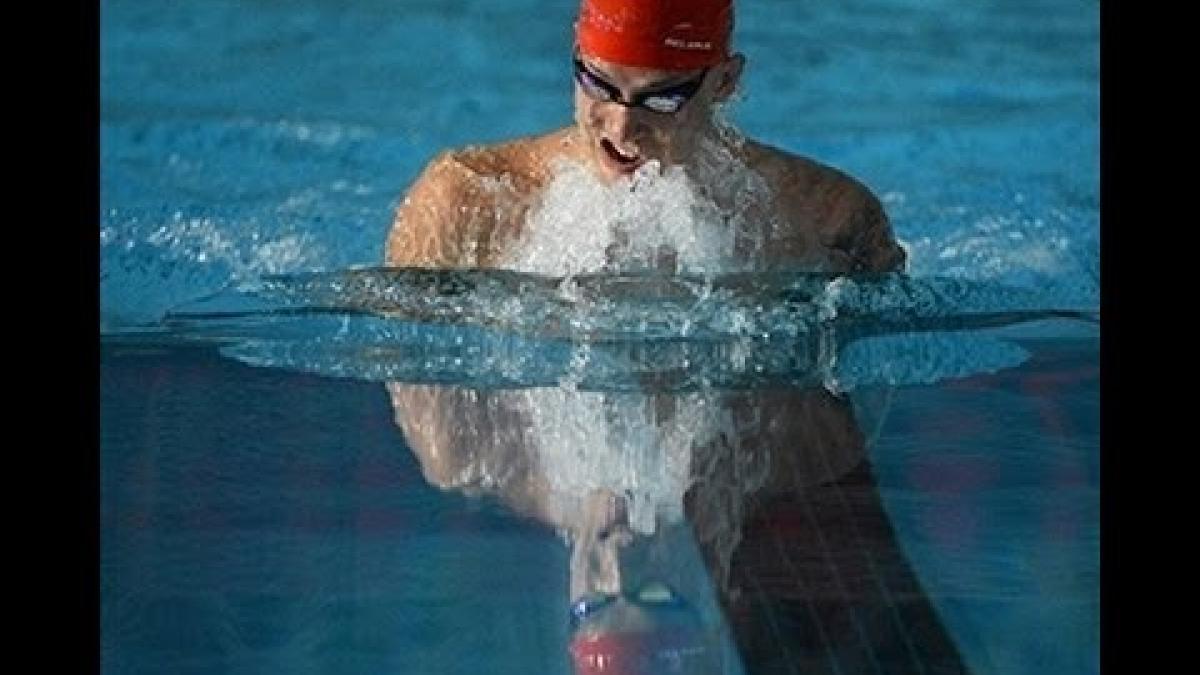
664,101
653,594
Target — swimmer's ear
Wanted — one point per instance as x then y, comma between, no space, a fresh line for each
729,72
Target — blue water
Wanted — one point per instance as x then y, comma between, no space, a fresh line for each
241,138
261,511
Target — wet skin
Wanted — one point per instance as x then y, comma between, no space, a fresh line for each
470,206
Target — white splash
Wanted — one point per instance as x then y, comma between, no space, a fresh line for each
146,268
620,443
208,241
657,219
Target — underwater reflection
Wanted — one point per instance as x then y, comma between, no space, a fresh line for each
711,530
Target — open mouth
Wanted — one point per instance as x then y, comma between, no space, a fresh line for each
625,161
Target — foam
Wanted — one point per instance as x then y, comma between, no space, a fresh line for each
657,219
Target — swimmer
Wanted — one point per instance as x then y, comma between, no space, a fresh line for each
649,79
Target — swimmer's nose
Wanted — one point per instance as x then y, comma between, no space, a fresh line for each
624,123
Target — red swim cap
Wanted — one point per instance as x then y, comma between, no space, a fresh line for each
663,652
663,34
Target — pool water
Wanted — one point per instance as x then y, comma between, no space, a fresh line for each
261,519
264,521
269,498
238,139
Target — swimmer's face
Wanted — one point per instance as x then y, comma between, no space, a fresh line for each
619,138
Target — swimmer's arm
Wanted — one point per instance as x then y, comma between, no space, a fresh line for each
429,224
785,442
421,412
464,441
836,214
866,238
875,247
814,434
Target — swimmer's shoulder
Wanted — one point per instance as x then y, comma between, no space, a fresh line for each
833,207
468,200
526,163
799,179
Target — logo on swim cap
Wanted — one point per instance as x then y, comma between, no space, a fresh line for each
684,44
665,34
